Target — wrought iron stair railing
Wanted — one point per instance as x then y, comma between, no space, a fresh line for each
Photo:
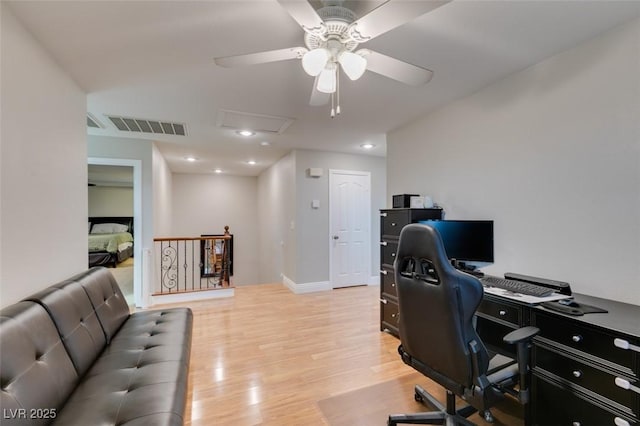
188,264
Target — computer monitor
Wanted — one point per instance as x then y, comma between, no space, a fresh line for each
466,240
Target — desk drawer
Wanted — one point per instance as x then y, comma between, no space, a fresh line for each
589,377
389,314
583,338
503,311
388,252
393,222
552,405
388,282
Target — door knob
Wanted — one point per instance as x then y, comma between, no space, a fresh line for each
335,237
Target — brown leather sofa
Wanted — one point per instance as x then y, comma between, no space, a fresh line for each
72,354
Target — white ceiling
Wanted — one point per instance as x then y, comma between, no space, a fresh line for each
154,60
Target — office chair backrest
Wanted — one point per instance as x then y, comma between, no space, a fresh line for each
437,304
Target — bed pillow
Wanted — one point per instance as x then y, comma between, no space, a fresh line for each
108,228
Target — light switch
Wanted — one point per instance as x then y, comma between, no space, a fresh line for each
315,204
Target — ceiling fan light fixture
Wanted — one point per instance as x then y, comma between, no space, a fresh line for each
327,79
353,65
314,61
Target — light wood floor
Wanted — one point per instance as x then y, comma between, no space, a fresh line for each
268,356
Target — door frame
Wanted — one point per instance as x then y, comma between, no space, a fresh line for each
332,173
137,219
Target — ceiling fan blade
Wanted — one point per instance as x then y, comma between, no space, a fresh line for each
396,69
317,97
305,15
388,16
261,57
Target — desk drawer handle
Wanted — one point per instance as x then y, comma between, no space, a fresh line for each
623,344
383,272
393,284
502,313
393,255
395,315
393,224
383,301
383,243
624,384
577,374
576,424
620,422
576,338
383,214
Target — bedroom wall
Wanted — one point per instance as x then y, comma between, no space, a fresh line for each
43,181
110,201
204,204
552,155
130,149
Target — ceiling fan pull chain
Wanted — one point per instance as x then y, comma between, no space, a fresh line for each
333,111
338,89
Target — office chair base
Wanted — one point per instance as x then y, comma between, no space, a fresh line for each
443,416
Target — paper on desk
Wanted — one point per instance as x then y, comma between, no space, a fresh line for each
524,298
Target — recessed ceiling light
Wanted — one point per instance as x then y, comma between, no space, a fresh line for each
191,159
251,162
265,143
367,146
218,171
245,132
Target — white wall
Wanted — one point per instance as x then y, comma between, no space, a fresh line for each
44,167
110,201
205,204
162,203
552,155
276,211
313,224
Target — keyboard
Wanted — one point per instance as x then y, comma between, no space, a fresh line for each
517,286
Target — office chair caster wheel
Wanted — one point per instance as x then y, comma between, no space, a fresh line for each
418,397
488,417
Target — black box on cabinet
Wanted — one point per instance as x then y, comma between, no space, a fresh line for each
402,200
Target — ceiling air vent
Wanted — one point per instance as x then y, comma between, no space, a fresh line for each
255,122
140,125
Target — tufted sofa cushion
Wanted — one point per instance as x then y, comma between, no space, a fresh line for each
35,372
141,377
108,301
70,308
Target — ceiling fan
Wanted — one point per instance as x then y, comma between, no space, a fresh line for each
332,34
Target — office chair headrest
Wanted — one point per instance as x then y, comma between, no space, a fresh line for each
422,245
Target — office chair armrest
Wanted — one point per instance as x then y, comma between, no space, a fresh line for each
521,335
522,339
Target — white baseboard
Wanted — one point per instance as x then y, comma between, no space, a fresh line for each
192,296
374,280
300,288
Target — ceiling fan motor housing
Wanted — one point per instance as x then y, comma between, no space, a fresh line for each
337,20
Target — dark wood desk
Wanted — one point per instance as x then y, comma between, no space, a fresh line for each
579,372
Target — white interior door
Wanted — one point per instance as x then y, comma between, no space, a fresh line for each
349,225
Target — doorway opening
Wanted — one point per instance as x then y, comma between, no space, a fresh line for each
114,187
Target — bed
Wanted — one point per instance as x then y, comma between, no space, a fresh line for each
110,240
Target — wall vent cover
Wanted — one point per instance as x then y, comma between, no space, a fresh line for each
256,122
141,125
92,122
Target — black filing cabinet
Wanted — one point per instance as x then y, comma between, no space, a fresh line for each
391,223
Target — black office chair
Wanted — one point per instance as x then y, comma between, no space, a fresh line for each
437,304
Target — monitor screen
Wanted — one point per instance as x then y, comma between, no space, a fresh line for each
466,240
